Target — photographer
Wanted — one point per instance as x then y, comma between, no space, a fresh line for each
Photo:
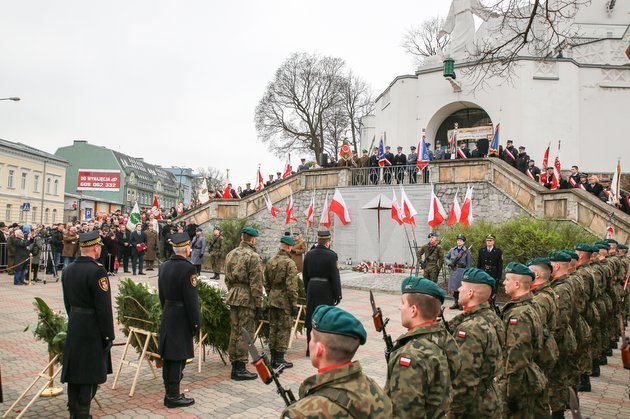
21,257
36,248
56,241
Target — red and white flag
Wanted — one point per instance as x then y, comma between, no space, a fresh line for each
289,210
324,219
274,211
461,154
615,187
310,211
260,184
610,232
155,208
396,213
287,167
455,212
408,211
545,164
555,182
437,215
466,217
339,207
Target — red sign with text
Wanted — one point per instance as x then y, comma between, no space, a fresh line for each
98,180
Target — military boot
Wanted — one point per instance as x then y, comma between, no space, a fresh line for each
558,414
216,276
82,411
240,373
603,360
585,383
455,305
174,398
278,360
595,371
613,345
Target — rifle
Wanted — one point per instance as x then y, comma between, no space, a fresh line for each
267,374
459,257
448,329
493,300
379,325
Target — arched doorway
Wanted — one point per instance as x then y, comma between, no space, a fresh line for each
467,115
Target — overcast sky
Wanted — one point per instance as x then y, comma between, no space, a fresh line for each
177,82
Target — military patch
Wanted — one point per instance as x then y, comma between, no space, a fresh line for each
461,334
513,321
193,280
405,362
103,283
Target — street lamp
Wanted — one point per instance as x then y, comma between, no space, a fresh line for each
13,98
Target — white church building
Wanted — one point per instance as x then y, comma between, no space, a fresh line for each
580,96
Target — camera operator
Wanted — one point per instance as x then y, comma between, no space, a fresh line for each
56,241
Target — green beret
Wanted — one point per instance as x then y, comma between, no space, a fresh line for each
250,231
519,269
611,241
559,256
601,246
571,253
583,247
287,240
540,261
418,284
622,247
477,276
431,235
329,319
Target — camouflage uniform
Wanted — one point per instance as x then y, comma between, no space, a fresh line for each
215,248
282,291
582,361
599,272
340,393
544,300
523,380
421,368
243,279
567,345
434,261
480,336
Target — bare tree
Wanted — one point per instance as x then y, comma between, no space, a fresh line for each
358,102
214,179
336,124
534,28
423,41
291,114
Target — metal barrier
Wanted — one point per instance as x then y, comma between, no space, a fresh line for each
388,175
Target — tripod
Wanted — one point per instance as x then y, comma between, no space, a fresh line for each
48,257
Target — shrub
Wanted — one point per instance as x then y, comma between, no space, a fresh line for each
231,231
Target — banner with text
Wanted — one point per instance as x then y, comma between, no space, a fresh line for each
98,180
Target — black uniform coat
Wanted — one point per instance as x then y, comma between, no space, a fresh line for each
90,326
320,262
491,262
177,280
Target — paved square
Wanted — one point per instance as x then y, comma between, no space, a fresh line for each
22,358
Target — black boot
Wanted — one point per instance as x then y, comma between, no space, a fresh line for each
240,373
595,372
585,383
455,305
174,398
278,359
613,345
603,360
609,352
558,414
82,411
216,276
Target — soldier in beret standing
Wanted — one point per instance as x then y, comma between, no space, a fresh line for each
340,388
480,336
282,290
177,287
433,258
87,299
418,387
244,282
321,278
215,248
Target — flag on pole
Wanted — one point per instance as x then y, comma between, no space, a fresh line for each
545,164
408,211
155,208
452,143
289,209
455,212
396,213
287,168
423,158
610,232
339,207
274,211
203,192
310,211
180,202
466,217
134,217
437,215
615,186
260,184
382,160
555,182
324,219
494,145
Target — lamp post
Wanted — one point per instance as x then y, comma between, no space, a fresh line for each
13,98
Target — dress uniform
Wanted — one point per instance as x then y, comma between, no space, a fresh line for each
177,287
412,161
215,248
433,259
321,278
424,361
282,291
400,161
389,170
341,390
244,282
480,336
490,259
87,299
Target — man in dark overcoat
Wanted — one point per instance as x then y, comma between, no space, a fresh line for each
87,299
321,278
490,259
177,288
